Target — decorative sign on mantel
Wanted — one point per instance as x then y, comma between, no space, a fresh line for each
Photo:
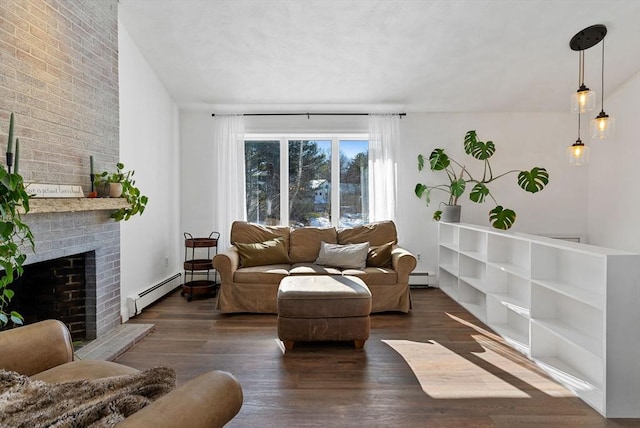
39,190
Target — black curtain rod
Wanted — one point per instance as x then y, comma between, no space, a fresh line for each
310,114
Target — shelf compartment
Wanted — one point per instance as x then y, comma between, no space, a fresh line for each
200,242
198,264
472,300
448,259
199,287
511,288
448,235
577,369
514,305
588,297
509,254
513,337
473,243
512,324
472,272
577,272
570,319
448,283
573,380
452,247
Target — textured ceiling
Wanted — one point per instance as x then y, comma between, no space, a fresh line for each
416,55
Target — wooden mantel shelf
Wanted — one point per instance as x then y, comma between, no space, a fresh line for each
61,205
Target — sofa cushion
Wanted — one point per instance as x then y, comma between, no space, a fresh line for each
313,269
271,274
352,256
249,233
82,370
373,275
271,252
375,234
304,243
380,256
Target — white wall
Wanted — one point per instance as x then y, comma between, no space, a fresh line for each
614,175
149,144
523,141
196,166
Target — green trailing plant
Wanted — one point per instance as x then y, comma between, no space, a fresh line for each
137,201
14,236
459,179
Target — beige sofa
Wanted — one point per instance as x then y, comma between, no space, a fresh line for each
43,351
254,288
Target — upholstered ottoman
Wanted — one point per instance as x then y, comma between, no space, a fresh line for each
323,308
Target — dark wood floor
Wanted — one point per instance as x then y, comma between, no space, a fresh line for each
470,378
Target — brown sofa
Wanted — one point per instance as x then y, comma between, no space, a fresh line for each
43,351
254,288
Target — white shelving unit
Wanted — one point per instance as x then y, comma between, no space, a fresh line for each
572,308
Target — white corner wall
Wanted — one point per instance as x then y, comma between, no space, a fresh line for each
614,175
149,144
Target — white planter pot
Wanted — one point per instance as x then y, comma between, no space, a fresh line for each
115,190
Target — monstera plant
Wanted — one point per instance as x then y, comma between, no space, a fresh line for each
459,179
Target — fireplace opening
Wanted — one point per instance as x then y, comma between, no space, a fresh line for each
54,289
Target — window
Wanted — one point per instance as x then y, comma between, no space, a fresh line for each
326,178
262,178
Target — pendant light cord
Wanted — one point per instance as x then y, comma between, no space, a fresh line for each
581,67
579,128
602,81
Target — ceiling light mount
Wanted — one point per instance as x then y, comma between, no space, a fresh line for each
588,37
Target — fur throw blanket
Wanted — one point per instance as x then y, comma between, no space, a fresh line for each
86,403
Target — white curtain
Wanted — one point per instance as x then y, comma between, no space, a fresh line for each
384,139
229,196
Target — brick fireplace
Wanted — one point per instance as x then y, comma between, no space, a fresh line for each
59,75
97,236
55,289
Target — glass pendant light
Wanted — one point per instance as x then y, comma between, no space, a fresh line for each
578,153
602,126
584,99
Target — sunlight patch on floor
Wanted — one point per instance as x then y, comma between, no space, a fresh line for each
443,373
507,359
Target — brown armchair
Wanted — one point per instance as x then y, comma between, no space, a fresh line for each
43,351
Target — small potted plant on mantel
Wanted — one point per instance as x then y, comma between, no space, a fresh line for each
122,185
14,234
501,218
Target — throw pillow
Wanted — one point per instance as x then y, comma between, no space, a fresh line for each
380,256
352,256
271,252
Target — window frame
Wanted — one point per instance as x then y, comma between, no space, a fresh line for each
284,139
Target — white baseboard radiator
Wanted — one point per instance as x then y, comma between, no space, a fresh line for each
422,279
137,302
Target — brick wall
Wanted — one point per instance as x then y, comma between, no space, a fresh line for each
59,75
